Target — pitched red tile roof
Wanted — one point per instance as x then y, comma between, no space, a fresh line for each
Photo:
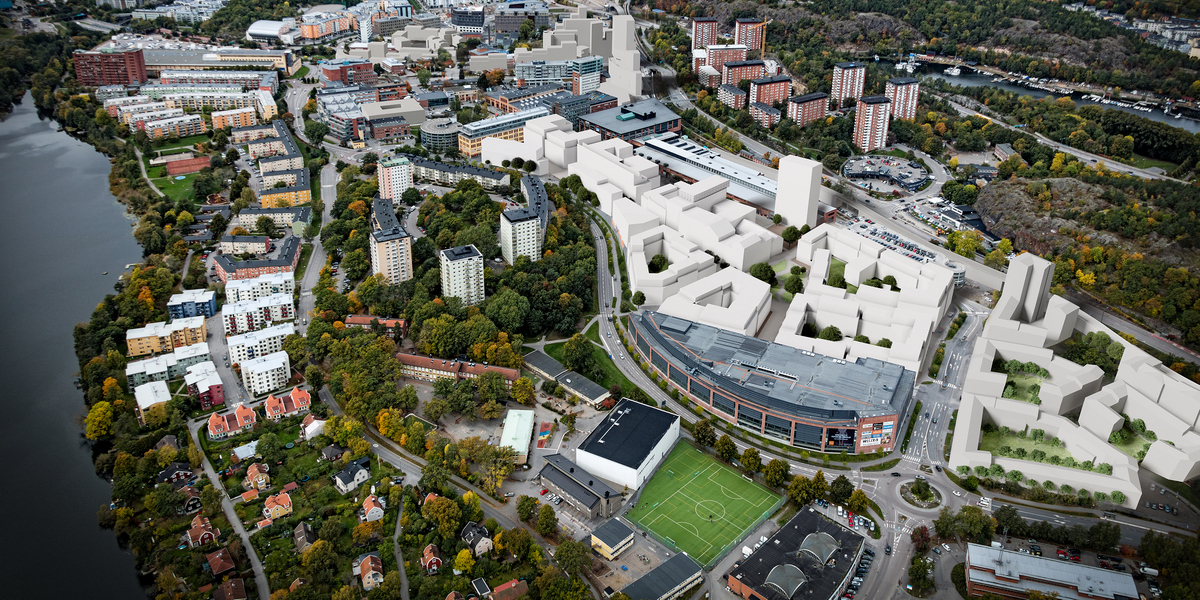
510,591
219,561
365,321
255,470
290,486
245,415
278,500
300,398
457,369
234,589
371,502
249,496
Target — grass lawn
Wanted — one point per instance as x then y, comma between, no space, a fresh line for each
1133,443
1145,162
593,333
699,504
301,74
306,251
187,141
883,466
1024,385
991,442
176,190
609,373
837,267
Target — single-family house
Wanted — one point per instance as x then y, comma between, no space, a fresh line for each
256,477
331,453
477,538
167,441
510,591
234,589
295,402
175,472
481,587
277,506
219,562
372,509
347,480
242,418
311,427
244,452
431,559
191,500
369,569
200,533
304,537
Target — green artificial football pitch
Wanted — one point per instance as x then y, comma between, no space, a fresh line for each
699,504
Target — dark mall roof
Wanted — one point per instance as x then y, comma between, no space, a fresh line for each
782,563
808,97
543,362
574,480
612,533
628,433
664,578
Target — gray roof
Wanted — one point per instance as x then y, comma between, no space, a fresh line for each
244,239
302,213
808,97
535,195
574,480
287,251
875,99
517,215
1046,574
745,63
628,433
732,89
649,113
514,94
461,252
384,218
767,108
612,533
903,80
801,571
543,362
581,385
850,65
779,378
425,163
771,79
347,475
664,578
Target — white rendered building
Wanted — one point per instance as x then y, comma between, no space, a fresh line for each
462,274
629,444
266,373
611,169
728,299
258,343
395,176
799,191
249,315
907,317
150,395
520,234
630,219
687,263
241,290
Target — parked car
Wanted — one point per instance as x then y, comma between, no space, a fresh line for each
937,551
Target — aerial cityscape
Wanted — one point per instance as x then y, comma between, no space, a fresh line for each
639,300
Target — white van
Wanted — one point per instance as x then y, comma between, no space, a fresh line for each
840,513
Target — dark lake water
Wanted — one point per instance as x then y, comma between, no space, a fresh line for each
62,230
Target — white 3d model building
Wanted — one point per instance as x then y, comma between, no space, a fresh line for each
686,263
799,191
728,299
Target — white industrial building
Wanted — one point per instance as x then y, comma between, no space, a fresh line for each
462,274
728,299
266,373
629,444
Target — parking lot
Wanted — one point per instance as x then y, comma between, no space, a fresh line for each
876,232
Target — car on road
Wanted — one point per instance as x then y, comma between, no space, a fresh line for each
895,474
543,493
937,551
957,493
946,547
888,550
938,467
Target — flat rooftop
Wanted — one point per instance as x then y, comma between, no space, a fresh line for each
461,252
628,433
694,161
1023,572
809,557
777,377
645,113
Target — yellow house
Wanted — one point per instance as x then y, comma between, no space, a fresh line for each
277,506
611,539
284,197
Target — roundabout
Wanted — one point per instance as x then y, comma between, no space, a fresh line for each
919,494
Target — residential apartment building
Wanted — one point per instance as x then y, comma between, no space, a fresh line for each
109,66
291,195
391,245
204,384
582,74
848,81
258,287
165,367
237,117
732,96
190,303
289,255
165,337
160,91
769,90
254,344
114,105
734,72
348,71
505,127
704,32
148,396
520,234
138,121
261,80
509,101
251,315
449,175
245,135
245,244
289,178
395,175
716,56
127,111
429,368
462,274
808,108
765,114
324,26
749,32
216,100
871,122
266,373
295,218
903,92
176,126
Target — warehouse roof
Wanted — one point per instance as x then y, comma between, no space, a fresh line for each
612,533
787,563
672,573
628,433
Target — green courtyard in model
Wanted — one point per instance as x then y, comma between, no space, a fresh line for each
701,505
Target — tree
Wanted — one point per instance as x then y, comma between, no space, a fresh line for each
639,298
464,562
330,530
776,472
751,460
445,513
99,420
921,539
725,448
231,156
841,489
315,131
516,541
704,433
270,448
265,224
364,532
526,505
423,77
1117,497
547,522
763,272
918,575
831,333
320,561
573,557
858,502
791,234
577,355
523,392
